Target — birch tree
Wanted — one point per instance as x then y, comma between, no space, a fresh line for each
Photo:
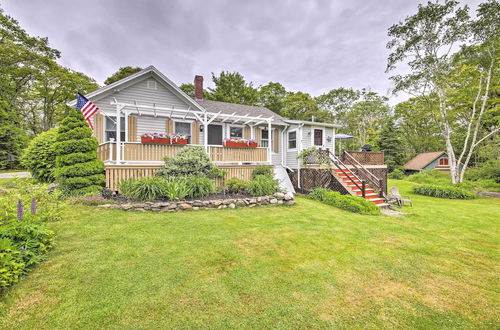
425,42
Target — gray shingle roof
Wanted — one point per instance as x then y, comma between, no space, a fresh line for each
240,109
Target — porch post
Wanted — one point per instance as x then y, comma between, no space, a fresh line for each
270,139
205,132
118,135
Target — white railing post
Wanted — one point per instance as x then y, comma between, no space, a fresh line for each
118,133
270,139
111,150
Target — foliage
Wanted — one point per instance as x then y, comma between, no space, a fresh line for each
338,102
231,87
40,158
144,189
345,202
390,143
48,203
22,245
78,170
122,72
236,185
262,185
272,96
449,192
397,174
190,161
486,171
127,186
177,188
303,107
198,186
189,90
262,170
430,177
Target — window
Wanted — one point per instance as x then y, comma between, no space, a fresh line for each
151,84
183,128
264,139
318,137
292,140
236,132
110,129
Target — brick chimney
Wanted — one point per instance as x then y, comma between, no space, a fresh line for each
198,87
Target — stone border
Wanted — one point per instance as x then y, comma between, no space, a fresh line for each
231,203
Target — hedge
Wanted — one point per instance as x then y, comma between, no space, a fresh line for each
443,191
345,202
40,157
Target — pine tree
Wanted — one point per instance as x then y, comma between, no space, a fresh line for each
391,144
78,170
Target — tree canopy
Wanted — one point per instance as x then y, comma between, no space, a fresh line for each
122,72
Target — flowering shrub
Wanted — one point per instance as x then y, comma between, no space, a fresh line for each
240,140
164,135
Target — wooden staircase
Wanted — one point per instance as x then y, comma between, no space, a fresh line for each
354,186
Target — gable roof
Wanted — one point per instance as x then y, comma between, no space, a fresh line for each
422,160
241,110
150,70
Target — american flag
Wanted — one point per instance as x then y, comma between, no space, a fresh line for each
88,108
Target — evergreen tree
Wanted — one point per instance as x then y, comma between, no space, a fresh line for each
391,144
78,170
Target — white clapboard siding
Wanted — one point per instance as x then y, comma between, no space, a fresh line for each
147,124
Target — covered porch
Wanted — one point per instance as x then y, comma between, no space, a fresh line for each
120,140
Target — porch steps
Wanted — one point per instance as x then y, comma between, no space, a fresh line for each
350,180
281,175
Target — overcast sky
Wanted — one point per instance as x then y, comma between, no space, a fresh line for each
311,46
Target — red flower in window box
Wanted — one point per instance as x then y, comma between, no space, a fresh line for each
240,143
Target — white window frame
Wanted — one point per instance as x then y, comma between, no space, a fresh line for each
228,130
190,122
296,139
322,136
104,130
261,131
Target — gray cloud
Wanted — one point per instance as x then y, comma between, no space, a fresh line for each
312,46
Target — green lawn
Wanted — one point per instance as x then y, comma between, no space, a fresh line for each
309,265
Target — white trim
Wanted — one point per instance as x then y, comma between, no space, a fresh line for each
190,122
296,130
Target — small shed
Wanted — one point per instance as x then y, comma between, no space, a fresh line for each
428,161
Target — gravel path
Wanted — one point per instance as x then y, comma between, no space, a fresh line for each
14,175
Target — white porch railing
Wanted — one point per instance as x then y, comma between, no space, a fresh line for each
137,152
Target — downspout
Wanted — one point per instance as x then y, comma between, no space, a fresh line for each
299,147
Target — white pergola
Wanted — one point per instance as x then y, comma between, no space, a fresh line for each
204,117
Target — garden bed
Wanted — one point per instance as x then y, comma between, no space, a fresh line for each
211,202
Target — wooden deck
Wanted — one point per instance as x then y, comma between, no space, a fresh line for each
140,152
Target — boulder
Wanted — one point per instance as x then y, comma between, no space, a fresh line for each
185,206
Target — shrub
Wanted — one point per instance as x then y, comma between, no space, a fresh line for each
345,202
318,193
22,245
487,171
262,170
235,185
40,158
443,191
78,171
198,186
190,161
397,174
430,177
262,185
127,187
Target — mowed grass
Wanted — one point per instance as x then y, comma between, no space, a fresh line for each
305,266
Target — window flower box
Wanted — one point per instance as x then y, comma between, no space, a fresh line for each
177,140
147,139
240,143
162,138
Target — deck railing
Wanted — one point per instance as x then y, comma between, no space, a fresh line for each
137,152
365,157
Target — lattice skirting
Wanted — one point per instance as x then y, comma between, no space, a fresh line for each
311,178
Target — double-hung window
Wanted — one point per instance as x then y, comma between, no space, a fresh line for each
110,129
183,128
292,140
236,132
264,139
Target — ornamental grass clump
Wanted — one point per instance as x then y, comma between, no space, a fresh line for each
78,170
